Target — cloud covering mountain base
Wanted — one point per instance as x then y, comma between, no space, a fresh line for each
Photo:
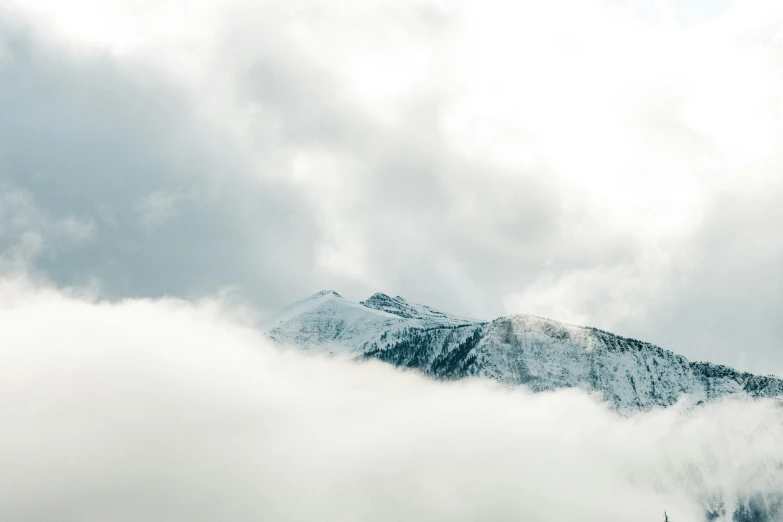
173,410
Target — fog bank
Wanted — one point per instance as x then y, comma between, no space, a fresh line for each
169,410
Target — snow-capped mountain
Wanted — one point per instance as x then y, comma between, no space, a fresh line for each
329,322
543,354
515,350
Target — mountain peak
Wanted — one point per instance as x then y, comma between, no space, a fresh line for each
379,298
326,293
401,307
393,305
519,349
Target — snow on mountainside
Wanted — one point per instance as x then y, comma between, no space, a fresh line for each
330,322
402,308
516,350
542,354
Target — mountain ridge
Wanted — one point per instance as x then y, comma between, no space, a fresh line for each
631,376
518,349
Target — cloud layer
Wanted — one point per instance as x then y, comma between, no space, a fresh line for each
170,410
582,160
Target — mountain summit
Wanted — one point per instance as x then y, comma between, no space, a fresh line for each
539,353
402,308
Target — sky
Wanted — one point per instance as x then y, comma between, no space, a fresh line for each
609,163
129,413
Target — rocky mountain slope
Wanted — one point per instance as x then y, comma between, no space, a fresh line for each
631,375
514,350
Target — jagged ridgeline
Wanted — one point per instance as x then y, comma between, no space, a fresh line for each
542,354
539,353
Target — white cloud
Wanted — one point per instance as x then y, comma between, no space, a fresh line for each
5,54
613,289
76,229
27,231
168,410
21,229
158,207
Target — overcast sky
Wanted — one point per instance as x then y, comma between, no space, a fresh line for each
611,163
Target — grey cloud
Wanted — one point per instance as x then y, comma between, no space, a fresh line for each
91,138
158,207
729,308
176,207
407,183
404,179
